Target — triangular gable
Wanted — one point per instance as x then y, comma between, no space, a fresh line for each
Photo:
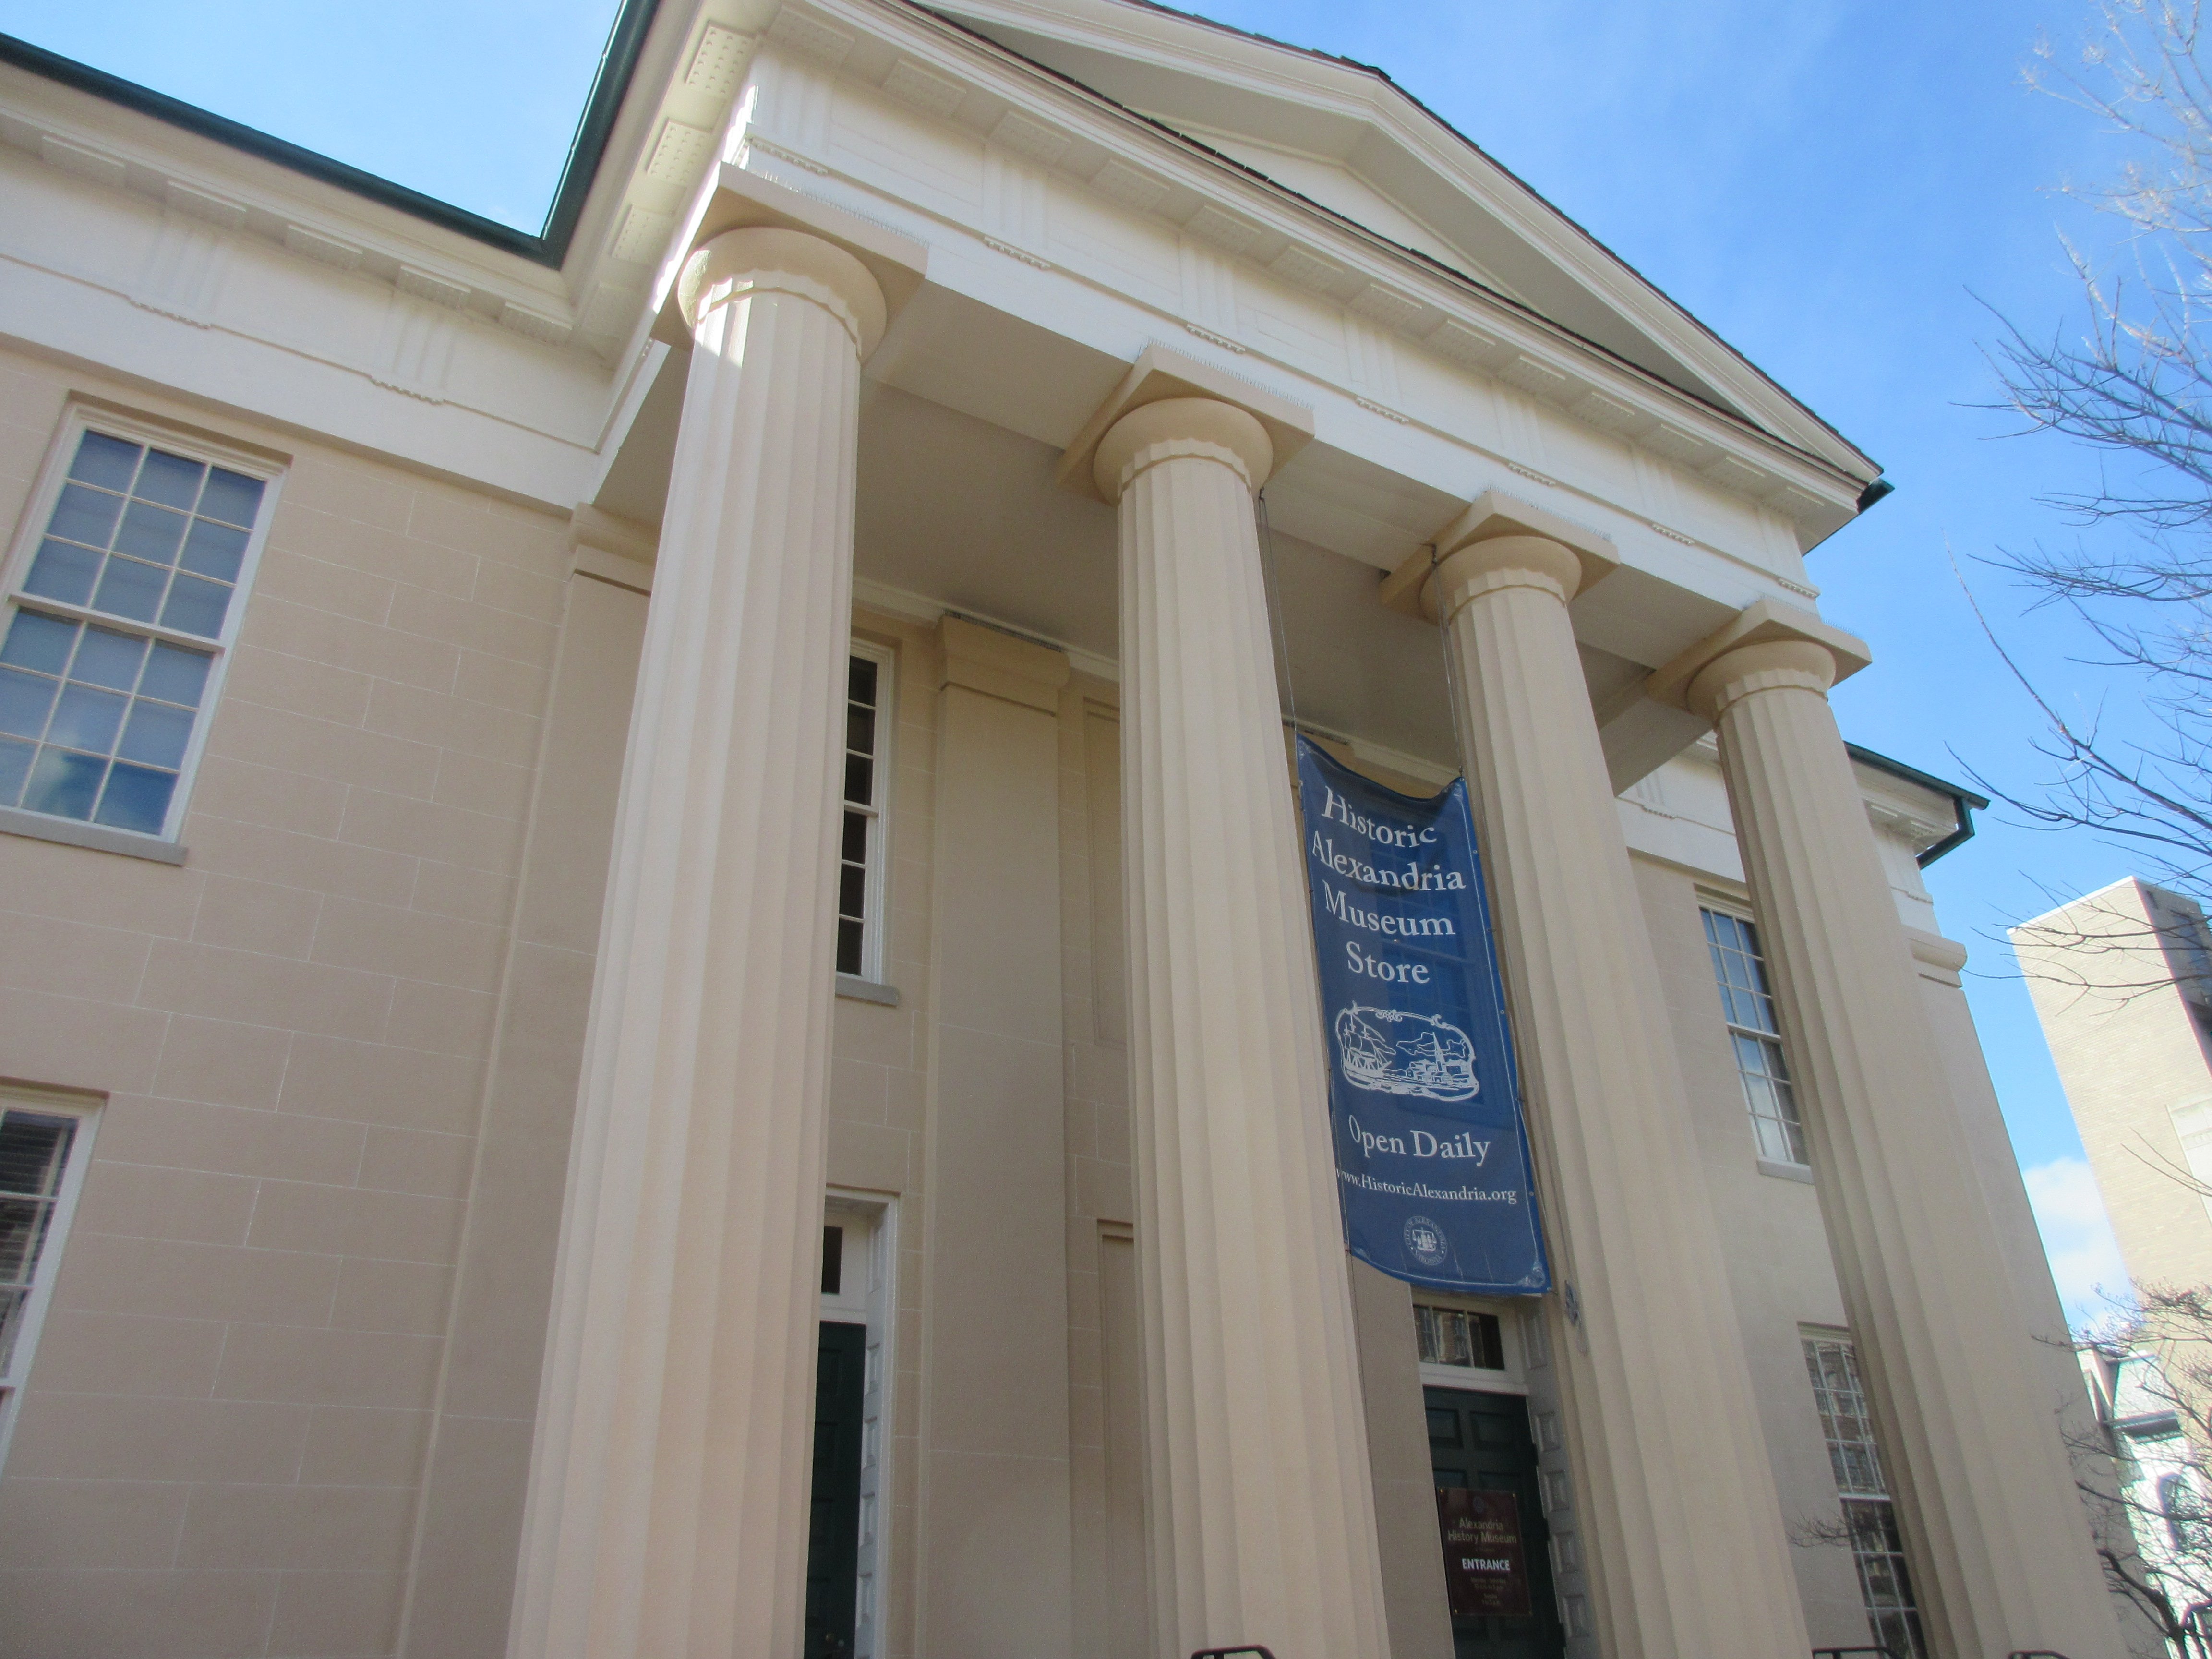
1351,140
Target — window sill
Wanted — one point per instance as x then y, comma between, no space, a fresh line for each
867,990
98,837
1780,1172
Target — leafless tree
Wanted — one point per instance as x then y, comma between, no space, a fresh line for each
2154,1530
2134,387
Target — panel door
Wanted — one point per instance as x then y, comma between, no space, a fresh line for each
833,1528
1482,1441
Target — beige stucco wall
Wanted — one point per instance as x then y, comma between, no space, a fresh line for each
470,1518
222,1445
1776,1252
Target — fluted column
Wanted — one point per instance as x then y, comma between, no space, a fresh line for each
1687,1549
667,1514
1262,1515
1998,1540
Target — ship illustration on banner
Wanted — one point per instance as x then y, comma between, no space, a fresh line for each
1394,1052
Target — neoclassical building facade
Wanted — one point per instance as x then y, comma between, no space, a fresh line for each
658,995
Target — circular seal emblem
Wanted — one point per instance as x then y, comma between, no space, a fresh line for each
1424,1241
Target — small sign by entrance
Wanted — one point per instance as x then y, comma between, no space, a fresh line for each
1486,1570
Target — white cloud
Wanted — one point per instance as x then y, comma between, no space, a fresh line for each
2077,1239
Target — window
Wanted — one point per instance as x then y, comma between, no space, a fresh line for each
1486,1346
1870,1518
42,1157
1456,1336
1747,1005
2183,1515
122,608
860,852
848,1540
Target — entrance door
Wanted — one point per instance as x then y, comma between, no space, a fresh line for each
834,1528
1481,1442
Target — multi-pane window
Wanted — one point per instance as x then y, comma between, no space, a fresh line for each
1747,1005
1869,1516
2184,1513
860,849
1459,1336
121,611
40,1152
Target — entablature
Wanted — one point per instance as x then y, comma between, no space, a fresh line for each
942,124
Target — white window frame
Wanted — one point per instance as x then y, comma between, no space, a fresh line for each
1736,910
874,1304
1511,1337
875,906
76,419
1810,1336
44,1104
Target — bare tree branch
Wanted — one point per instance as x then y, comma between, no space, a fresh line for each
2135,386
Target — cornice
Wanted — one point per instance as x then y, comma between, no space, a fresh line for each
230,191
667,131
1364,97
1922,821
384,235
1088,140
692,65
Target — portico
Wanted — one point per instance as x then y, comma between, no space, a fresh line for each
1527,629
904,1225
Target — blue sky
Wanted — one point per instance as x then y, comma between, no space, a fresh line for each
398,88
1845,190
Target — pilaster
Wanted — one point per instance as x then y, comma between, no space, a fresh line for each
996,1530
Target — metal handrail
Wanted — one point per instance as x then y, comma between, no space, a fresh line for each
2033,1653
1224,1653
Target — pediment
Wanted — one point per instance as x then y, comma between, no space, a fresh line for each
1348,139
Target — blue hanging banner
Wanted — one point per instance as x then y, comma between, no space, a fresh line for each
1431,1157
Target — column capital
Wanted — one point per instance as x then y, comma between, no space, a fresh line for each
763,258
733,199
1182,429
1494,515
1764,638
1500,561
1776,665
1164,375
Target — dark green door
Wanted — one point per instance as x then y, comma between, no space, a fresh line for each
1482,1441
833,1541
